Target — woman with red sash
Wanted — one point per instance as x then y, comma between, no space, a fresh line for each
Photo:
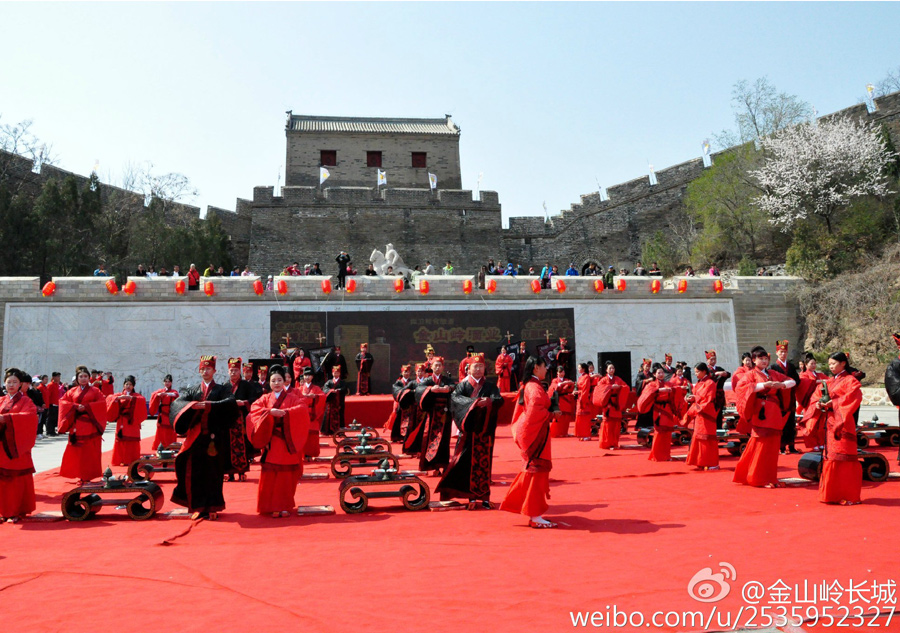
702,412
160,405
18,432
530,489
584,408
611,399
814,428
841,479
128,409
658,398
559,426
763,397
278,424
82,414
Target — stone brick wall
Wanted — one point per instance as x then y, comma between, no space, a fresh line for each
765,311
442,159
308,225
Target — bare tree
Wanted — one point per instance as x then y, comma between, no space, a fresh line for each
18,139
760,110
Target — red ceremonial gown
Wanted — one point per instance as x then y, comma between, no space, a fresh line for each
841,479
704,451
18,431
299,365
530,490
282,441
128,415
85,428
736,377
559,425
763,414
584,411
813,425
612,404
663,407
314,398
503,367
160,405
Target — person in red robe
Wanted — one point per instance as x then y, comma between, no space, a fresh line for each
463,369
814,430
364,363
565,388
584,408
107,384
301,362
128,409
412,441
278,424
18,432
503,366
679,390
746,365
404,411
658,398
762,398
841,480
263,373
429,356
530,490
82,414
160,405
314,398
611,399
701,416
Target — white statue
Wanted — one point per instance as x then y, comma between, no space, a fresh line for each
390,258
377,259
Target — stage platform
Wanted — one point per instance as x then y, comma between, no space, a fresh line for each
633,535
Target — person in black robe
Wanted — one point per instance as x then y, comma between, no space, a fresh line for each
786,367
245,394
668,367
364,362
412,440
286,358
256,391
404,411
644,420
433,398
892,381
342,260
332,358
203,415
564,356
521,356
721,376
336,391
474,405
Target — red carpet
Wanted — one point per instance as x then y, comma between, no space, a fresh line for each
635,533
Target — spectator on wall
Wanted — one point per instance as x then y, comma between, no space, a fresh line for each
101,271
571,271
193,278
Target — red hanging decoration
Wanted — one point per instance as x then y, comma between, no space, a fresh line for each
129,287
424,287
491,286
621,285
718,286
281,287
398,284
180,287
258,288
560,285
111,287
655,285
682,286
351,285
599,286
209,288
467,286
535,286
326,286
49,289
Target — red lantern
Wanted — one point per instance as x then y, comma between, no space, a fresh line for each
258,288
48,289
560,285
180,287
655,286
718,286
621,285
682,285
326,286
111,287
398,284
535,286
129,287
599,286
281,286
209,288
492,286
351,285
467,286
423,286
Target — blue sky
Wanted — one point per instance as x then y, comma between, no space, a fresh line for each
551,97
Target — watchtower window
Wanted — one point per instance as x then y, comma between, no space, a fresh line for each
328,157
418,159
373,159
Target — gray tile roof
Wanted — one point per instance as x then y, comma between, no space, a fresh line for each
306,123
